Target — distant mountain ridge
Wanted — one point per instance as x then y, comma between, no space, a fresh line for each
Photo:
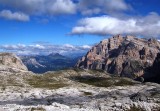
56,55
51,62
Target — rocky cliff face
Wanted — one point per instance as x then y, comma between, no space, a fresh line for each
8,60
126,56
155,70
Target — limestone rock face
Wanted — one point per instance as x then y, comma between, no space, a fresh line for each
126,56
9,60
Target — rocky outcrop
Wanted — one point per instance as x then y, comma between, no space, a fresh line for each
134,98
9,60
125,56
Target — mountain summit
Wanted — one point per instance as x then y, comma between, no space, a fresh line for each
125,56
56,55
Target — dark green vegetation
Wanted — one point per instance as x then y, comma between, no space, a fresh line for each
103,81
58,79
134,108
49,81
38,109
87,93
63,78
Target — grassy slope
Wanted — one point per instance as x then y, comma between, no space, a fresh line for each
58,79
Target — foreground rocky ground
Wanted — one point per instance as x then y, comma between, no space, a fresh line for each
71,90
75,90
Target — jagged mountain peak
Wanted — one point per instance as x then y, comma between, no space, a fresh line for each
56,55
127,56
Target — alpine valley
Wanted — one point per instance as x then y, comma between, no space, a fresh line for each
51,62
80,55
102,80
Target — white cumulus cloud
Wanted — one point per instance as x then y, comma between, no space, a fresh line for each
88,7
19,16
38,7
107,25
44,49
56,7
62,7
86,46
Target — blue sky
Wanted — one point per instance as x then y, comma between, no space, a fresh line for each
79,24
55,31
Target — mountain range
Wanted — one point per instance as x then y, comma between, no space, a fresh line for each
125,56
51,62
73,89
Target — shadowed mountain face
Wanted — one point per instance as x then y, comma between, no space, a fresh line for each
51,62
125,56
155,69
